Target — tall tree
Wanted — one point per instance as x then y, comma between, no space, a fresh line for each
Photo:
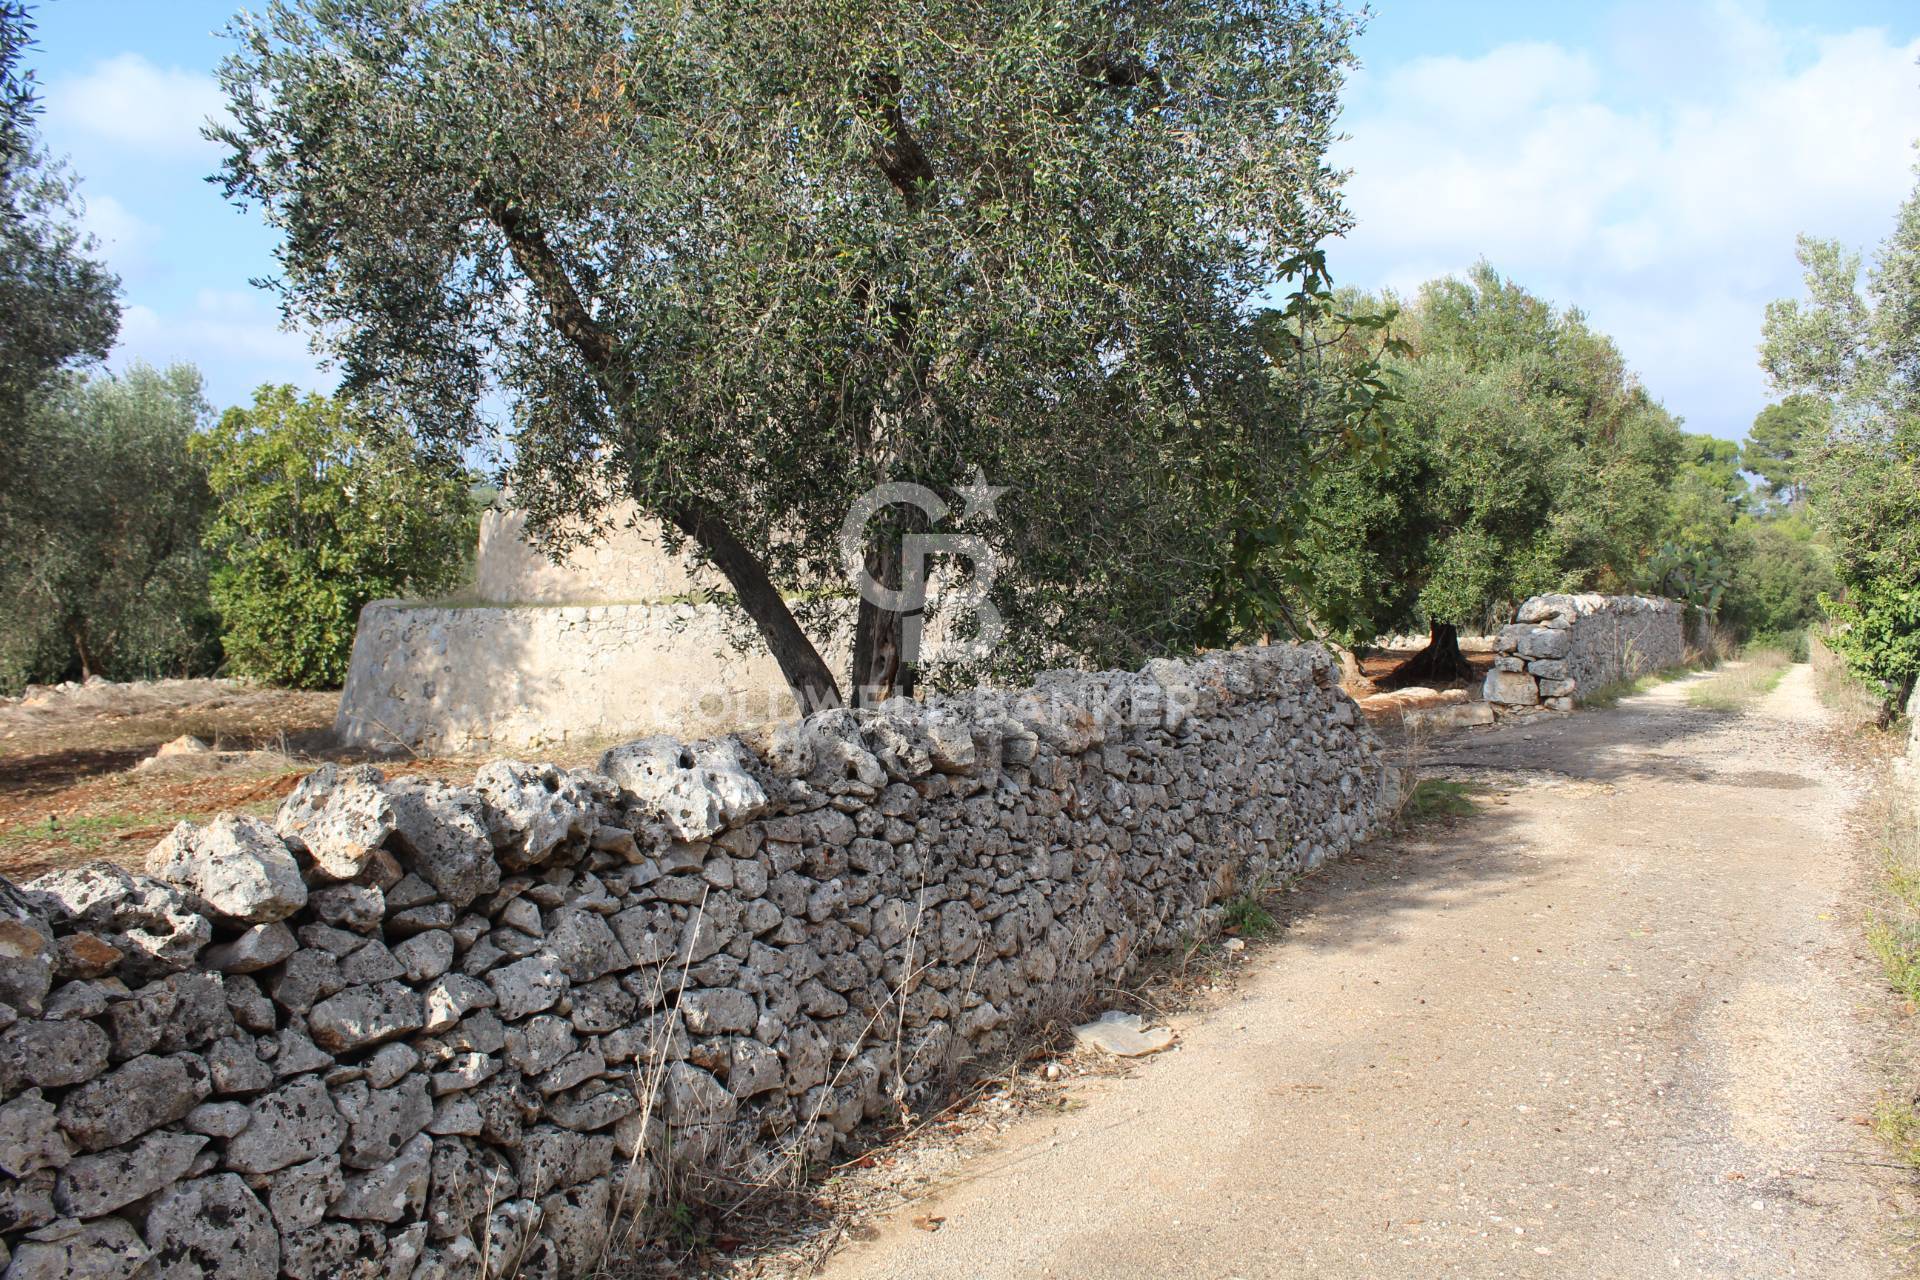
111,579
59,302
741,262
1858,350
1782,441
1520,457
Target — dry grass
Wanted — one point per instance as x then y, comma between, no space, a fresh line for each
1738,686
1893,931
1608,695
1441,798
1844,695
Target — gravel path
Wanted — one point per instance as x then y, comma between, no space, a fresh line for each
1619,1023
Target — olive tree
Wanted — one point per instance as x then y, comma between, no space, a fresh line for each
59,302
1855,346
1519,456
742,261
107,575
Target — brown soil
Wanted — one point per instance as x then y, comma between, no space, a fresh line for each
69,792
1381,661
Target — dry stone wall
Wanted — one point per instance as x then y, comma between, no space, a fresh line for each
1561,646
415,1029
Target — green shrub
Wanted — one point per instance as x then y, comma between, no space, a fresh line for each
1791,643
1440,798
1247,916
1781,571
1876,628
319,512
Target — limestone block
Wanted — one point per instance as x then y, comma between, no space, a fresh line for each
150,921
51,1054
527,986
1544,642
381,1121
440,834
260,947
366,1015
1511,688
426,956
26,950
29,1137
238,866
339,816
699,789
291,1125
141,1094
104,1249
532,809
93,1185
395,1191
212,1228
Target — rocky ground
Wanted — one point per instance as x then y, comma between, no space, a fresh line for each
1620,1020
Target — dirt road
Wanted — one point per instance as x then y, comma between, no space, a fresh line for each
1620,1023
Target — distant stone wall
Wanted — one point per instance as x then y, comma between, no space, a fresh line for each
409,1025
492,677
1563,645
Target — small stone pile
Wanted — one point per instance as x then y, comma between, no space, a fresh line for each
1560,645
410,1029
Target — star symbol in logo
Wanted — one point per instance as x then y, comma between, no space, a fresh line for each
979,496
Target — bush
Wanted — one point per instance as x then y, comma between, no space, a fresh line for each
1791,643
319,512
1876,628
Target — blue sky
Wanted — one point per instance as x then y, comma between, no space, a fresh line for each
1648,162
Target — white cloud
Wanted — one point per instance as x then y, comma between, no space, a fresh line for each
233,336
129,101
1664,204
120,231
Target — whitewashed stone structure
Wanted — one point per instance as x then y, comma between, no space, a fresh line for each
617,639
409,1024
1562,645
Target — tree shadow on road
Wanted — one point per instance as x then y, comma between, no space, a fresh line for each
1640,738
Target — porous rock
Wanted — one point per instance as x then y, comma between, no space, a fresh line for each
138,1095
698,788
104,1249
96,1184
212,1229
238,866
440,834
339,816
291,1125
533,809
152,922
